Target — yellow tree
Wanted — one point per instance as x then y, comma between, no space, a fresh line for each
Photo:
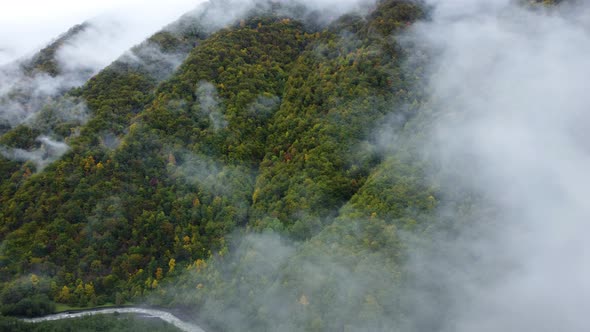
34,280
159,273
171,265
64,295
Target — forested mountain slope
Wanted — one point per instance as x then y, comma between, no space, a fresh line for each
237,171
264,126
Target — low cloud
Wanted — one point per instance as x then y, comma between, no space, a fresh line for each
510,116
209,104
48,152
83,53
24,28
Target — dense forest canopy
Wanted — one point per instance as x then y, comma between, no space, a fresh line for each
263,167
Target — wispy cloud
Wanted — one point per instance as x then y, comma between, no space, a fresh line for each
49,151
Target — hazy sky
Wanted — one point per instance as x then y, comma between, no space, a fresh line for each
27,25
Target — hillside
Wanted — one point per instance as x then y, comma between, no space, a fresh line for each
266,174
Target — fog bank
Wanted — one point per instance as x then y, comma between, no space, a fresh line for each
507,88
